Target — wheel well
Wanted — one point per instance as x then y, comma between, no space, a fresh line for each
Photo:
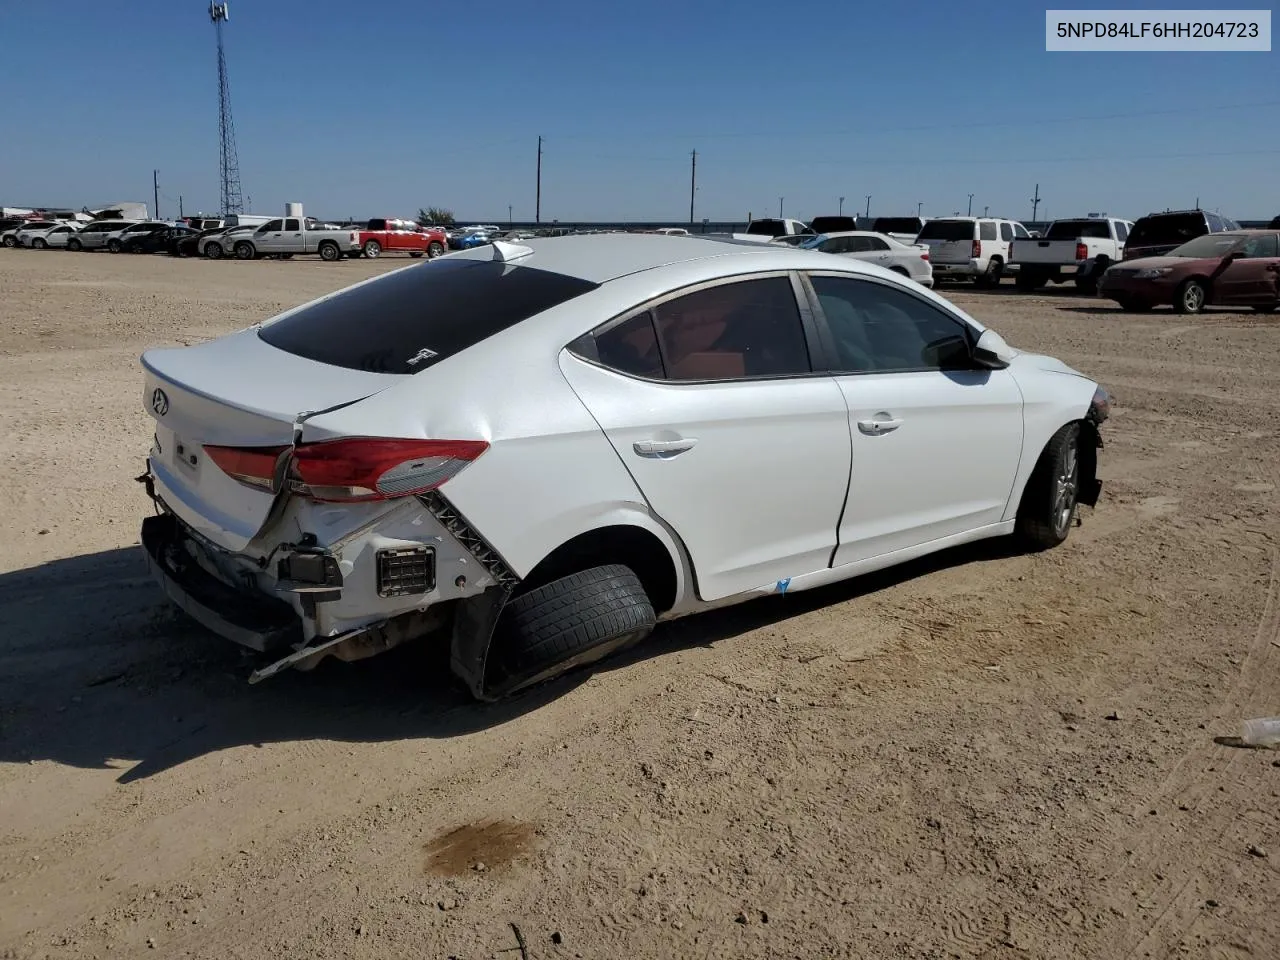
635,547
901,270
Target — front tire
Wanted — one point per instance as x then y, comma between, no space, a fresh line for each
38,243
113,246
1049,501
1191,297
435,249
372,249
245,250
11,241
214,251
329,251
569,623
74,246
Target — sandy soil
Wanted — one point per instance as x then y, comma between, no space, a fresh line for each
983,755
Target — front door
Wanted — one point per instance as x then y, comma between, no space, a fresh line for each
936,441
711,404
269,238
1252,276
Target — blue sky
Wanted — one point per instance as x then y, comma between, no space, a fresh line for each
384,107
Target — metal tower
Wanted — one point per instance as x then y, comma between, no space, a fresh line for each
228,162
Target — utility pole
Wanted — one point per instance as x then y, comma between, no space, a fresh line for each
508,216
840,212
181,215
969,212
155,188
693,182
537,209
780,199
868,205
1035,204
919,207
1197,203
984,210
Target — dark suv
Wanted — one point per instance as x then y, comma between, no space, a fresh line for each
1157,233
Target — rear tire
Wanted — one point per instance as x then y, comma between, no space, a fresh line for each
328,250
1191,297
1049,501
10,241
74,246
38,243
113,246
991,277
568,623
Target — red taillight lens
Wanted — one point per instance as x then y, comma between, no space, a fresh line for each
371,468
924,256
977,248
1082,251
254,466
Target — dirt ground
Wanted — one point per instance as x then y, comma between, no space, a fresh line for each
982,755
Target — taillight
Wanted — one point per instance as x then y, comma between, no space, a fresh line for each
924,256
253,466
1082,251
371,468
977,249
351,469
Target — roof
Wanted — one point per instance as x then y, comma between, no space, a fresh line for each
599,258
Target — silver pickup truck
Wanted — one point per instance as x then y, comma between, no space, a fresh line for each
297,235
1079,250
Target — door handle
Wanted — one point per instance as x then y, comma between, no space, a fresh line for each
876,427
661,449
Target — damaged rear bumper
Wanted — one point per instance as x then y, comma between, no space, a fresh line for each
252,620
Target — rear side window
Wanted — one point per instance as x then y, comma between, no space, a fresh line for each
986,230
1122,231
631,347
948,230
1171,229
414,318
1006,231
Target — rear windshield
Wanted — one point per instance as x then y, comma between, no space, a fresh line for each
1070,229
909,225
833,224
767,228
1171,229
947,230
416,317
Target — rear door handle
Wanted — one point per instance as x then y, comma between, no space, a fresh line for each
662,449
876,427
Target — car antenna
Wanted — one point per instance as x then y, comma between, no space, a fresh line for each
502,250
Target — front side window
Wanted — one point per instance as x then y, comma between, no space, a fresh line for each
747,328
879,329
271,226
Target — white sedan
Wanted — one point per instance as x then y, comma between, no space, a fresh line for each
43,237
909,259
532,453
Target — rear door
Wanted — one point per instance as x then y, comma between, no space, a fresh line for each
936,441
711,401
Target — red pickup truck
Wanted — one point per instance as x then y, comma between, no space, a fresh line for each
381,235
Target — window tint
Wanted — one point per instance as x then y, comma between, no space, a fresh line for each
749,328
1214,221
271,226
767,228
631,347
410,319
874,243
376,225
896,225
292,224
880,329
1122,231
1006,230
1168,228
986,230
833,224
1020,231
1261,246
1071,229
948,230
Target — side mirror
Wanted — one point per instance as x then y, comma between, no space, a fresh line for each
991,351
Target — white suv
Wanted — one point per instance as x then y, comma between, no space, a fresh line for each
971,248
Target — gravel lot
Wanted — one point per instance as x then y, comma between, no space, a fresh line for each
982,755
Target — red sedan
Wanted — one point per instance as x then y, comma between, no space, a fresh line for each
1236,268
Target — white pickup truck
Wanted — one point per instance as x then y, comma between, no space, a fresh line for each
290,235
768,230
1079,250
